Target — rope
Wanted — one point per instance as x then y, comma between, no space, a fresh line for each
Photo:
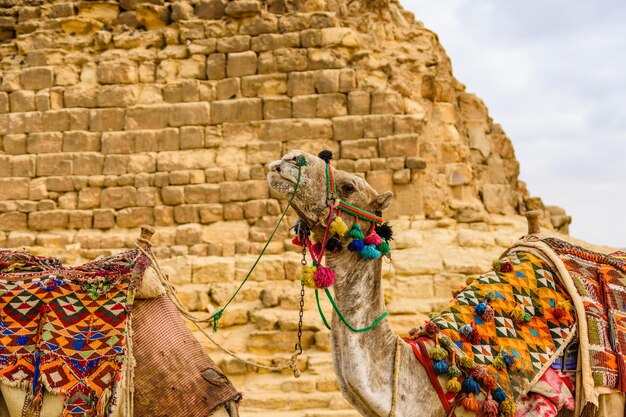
343,319
396,377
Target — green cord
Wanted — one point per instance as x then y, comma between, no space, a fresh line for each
343,319
301,161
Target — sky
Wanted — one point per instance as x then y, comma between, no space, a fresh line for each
553,74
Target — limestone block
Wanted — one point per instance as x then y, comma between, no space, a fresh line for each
242,8
37,78
147,196
264,85
118,95
232,44
458,174
387,103
301,83
254,209
266,64
186,213
304,106
106,120
118,142
233,211
209,9
214,174
497,198
48,142
210,213
192,159
134,217
202,193
54,164
4,102
119,197
18,239
117,72
152,16
80,96
14,188
399,145
80,219
311,38
57,120
13,221
173,195
402,176
163,216
20,166
182,11
243,191
348,127
240,110
339,37
380,180
228,88
360,148
468,211
89,198
240,64
273,341
291,59
408,124
414,162
331,105
276,108
327,81
22,101
156,140
42,101
232,156
14,144
194,68
414,261
47,220
325,58
147,117
396,163
272,41
103,218
362,165
190,114
191,137
79,141
284,130
216,66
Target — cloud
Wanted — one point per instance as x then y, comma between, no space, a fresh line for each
554,75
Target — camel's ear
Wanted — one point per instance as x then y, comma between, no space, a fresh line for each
382,201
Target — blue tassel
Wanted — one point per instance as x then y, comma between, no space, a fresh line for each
465,330
499,395
370,252
480,308
356,245
440,367
471,386
509,360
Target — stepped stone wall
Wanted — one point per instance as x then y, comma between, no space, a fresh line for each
115,114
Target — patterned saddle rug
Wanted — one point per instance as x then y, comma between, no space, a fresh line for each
66,329
507,327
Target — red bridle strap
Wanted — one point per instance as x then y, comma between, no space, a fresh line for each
421,353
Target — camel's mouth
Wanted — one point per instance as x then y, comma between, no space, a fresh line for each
281,184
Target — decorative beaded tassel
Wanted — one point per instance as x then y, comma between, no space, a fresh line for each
324,277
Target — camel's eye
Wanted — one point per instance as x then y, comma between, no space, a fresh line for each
348,188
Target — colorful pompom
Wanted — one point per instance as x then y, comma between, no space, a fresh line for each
454,371
296,241
470,403
373,239
488,314
499,363
324,277
479,372
465,330
384,231
558,312
480,308
333,245
490,407
490,296
499,395
307,276
437,353
527,317
509,360
431,328
490,382
517,315
445,342
325,155
384,248
466,362
355,232
507,408
474,337
453,385
356,245
471,386
469,280
370,252
338,227
506,267
440,367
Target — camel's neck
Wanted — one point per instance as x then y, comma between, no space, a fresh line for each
364,362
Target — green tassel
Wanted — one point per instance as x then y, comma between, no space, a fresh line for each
491,295
499,363
216,317
355,232
453,371
466,362
437,353
384,248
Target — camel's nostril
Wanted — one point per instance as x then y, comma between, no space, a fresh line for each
277,169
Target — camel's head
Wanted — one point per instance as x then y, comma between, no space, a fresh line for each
310,199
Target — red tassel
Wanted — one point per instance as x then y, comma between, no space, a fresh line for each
324,277
296,241
431,328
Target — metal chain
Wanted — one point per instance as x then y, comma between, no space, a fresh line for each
301,313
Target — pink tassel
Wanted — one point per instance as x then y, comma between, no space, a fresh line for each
316,249
373,239
490,407
488,314
324,277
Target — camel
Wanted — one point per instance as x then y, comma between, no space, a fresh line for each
177,380
378,374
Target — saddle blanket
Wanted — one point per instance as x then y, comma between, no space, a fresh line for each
66,329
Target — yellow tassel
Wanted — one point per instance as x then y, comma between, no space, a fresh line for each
338,227
517,315
453,385
499,363
307,276
507,408
565,304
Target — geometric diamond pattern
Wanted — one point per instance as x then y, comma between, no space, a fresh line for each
66,325
530,286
